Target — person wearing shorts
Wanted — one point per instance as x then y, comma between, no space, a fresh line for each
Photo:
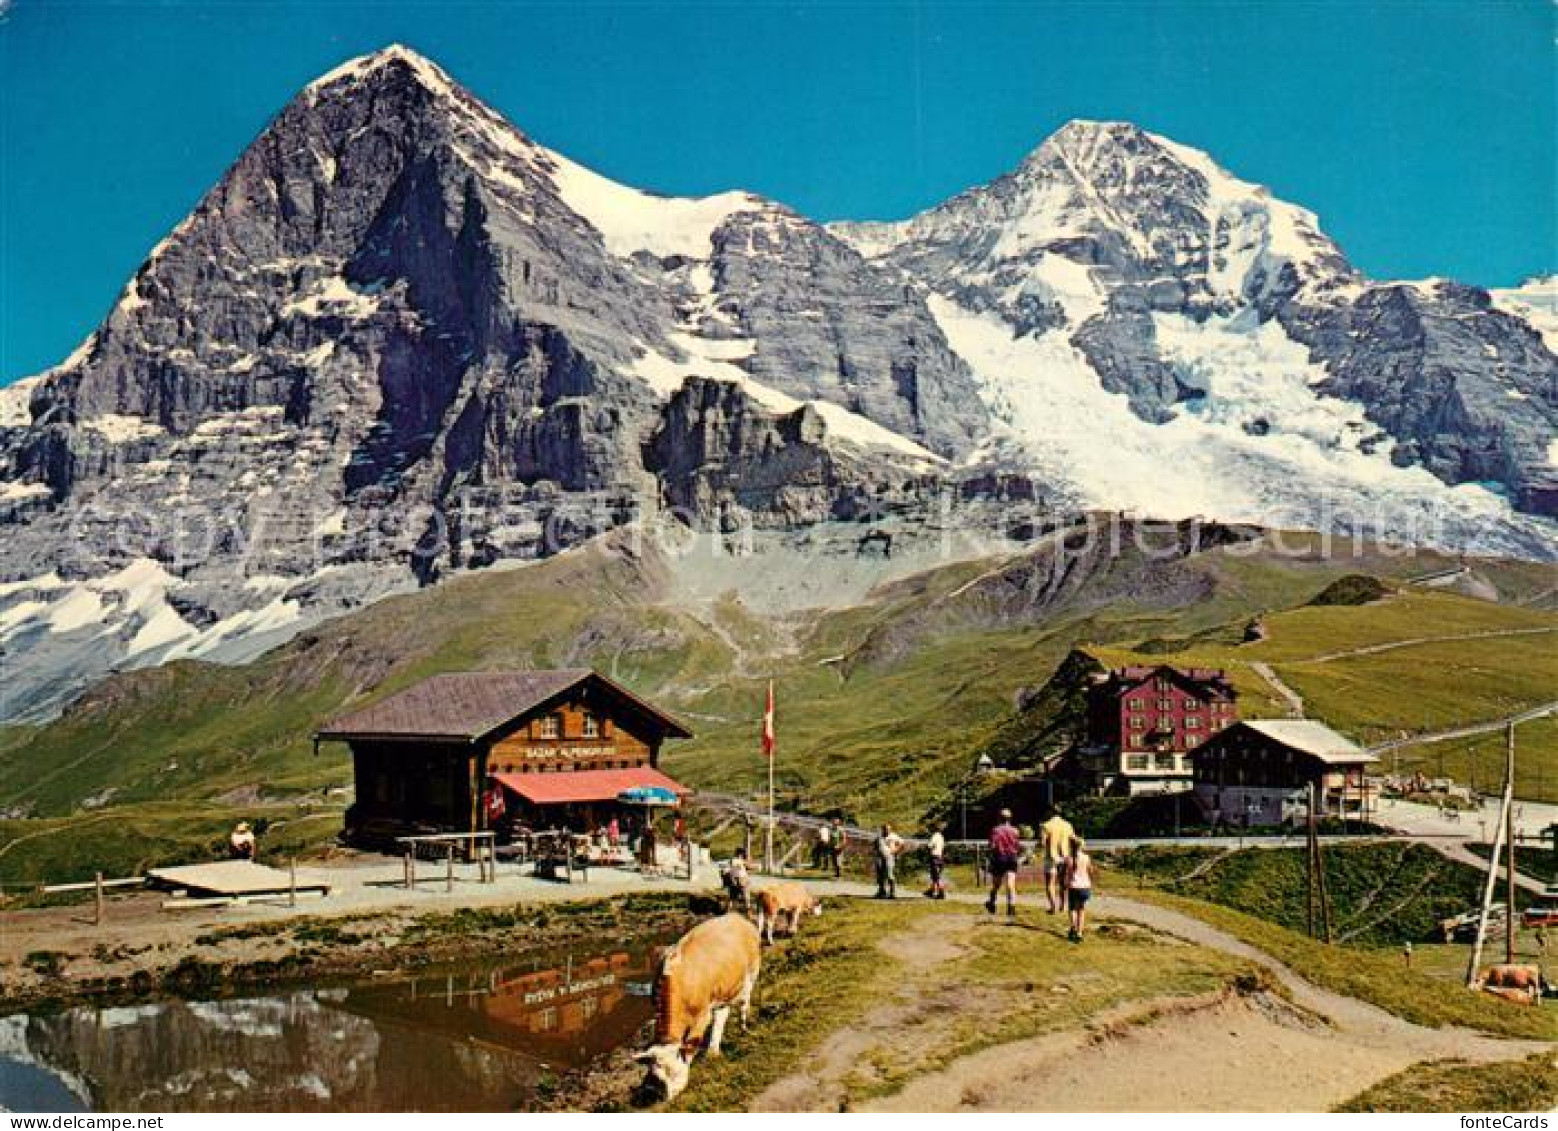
938,860
1054,842
1079,887
1005,854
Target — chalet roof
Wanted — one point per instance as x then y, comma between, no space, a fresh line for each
1313,738
465,706
1214,680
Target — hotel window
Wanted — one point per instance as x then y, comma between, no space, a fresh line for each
1192,740
1136,740
1164,761
591,725
1136,704
1165,704
1136,762
1137,722
549,726
1192,722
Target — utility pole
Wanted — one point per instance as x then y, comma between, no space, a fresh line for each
1490,884
1309,865
1315,872
1509,836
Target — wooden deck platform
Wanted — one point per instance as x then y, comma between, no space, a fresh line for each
232,878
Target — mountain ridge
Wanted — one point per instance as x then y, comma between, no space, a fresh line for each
399,339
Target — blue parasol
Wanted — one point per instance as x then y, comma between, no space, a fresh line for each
648,795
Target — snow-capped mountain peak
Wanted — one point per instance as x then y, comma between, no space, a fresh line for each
401,338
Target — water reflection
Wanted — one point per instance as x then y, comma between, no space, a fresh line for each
477,1037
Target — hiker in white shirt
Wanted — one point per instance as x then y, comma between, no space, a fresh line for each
1079,887
938,852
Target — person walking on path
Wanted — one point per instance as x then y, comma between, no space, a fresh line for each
836,848
822,850
1055,843
1005,853
938,852
1079,887
888,845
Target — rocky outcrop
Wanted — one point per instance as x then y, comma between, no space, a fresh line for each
723,458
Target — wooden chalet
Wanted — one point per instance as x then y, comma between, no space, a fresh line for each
1258,772
480,751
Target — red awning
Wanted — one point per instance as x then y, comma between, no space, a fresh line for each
565,786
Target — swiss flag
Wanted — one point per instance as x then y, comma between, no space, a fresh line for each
768,723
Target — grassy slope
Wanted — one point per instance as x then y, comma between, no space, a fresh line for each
880,707
1382,894
1517,1085
1375,976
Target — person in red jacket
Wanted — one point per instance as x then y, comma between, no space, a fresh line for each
1005,853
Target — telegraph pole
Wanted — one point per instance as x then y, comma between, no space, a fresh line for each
1504,825
1509,837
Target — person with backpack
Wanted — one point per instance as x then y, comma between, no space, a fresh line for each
1005,855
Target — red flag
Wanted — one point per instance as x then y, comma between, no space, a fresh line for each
768,723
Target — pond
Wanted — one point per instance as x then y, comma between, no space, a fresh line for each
475,1037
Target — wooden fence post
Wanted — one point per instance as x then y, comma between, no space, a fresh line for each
449,871
97,887
292,881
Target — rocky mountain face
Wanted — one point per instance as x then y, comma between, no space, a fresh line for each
399,338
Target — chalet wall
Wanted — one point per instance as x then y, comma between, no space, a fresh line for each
1155,723
562,739
413,783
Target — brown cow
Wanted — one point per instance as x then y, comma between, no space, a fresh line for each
1513,982
784,904
709,969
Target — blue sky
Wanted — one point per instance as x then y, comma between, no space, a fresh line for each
1423,133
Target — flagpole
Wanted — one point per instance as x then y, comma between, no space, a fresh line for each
769,751
768,848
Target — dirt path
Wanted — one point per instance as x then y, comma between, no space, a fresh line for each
821,1086
1469,731
1294,701
1306,1054
1416,641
